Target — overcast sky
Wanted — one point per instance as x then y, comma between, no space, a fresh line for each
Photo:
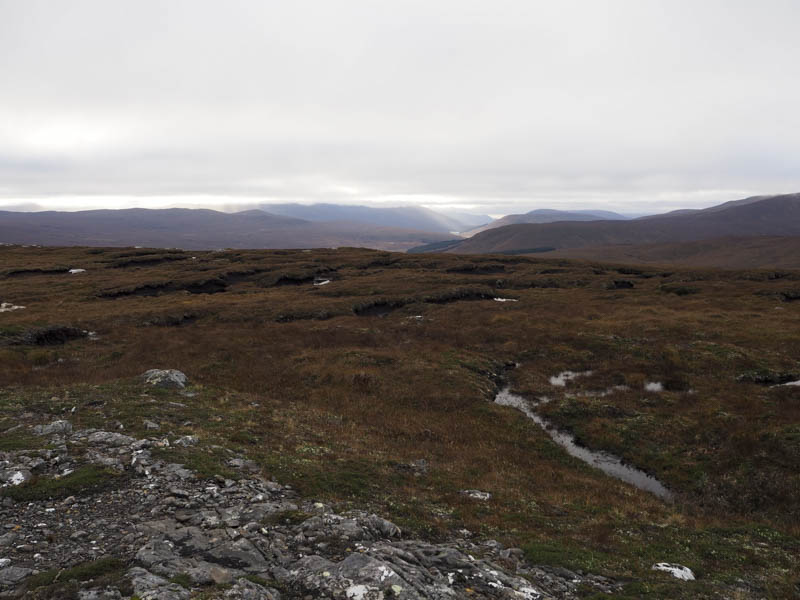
492,106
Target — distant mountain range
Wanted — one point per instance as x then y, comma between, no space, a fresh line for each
752,232
760,216
200,229
546,215
406,217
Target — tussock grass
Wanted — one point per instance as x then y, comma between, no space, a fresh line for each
83,481
335,403
62,584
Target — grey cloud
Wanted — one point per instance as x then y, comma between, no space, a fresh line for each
502,106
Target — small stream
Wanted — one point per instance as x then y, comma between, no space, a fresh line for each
608,463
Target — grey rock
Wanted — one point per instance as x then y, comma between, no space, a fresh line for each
151,425
247,590
241,463
60,427
15,476
109,438
100,594
165,378
239,554
383,528
676,570
13,575
152,587
186,440
477,495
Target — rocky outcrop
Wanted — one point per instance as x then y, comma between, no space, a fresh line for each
247,539
165,378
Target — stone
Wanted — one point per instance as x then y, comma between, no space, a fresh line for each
13,575
110,438
151,426
108,593
60,427
165,378
186,441
676,570
15,476
220,576
152,587
477,495
248,590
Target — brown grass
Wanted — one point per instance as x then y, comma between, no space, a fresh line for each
336,403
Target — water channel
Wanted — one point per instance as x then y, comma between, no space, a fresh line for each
608,463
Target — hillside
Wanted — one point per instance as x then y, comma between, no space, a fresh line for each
379,431
546,215
765,216
406,217
726,253
199,229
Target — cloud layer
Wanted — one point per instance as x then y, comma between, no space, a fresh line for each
496,106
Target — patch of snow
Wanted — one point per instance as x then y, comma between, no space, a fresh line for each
477,495
76,271
506,300
562,378
385,572
322,282
599,393
653,386
8,307
677,571
17,478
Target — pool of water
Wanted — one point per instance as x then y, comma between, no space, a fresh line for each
608,463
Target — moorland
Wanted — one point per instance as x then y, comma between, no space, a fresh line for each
335,388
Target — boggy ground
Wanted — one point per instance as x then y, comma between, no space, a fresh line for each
338,389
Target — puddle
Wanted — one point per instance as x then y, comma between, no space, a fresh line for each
8,307
597,393
794,383
562,378
608,463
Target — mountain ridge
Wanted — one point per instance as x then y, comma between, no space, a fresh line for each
198,229
757,216
547,215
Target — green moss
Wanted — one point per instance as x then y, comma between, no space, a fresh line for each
58,584
89,479
21,440
182,579
206,462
